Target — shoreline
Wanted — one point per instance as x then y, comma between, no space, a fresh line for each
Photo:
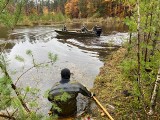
116,92
107,21
109,86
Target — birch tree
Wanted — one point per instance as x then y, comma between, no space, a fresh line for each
154,94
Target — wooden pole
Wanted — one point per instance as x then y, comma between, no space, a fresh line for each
110,117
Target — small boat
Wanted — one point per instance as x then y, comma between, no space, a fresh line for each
78,33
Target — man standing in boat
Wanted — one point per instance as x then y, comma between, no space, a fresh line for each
94,29
64,93
64,28
84,29
97,30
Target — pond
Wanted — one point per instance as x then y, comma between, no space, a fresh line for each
83,56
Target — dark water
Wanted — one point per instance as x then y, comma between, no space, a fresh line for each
83,56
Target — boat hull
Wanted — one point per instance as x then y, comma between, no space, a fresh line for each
76,33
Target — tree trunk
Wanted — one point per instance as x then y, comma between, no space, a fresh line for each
138,44
139,83
130,38
154,94
145,34
149,37
14,87
154,43
130,42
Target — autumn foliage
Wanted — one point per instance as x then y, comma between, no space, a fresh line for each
81,8
71,8
97,8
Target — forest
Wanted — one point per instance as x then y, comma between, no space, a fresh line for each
77,8
130,77
62,10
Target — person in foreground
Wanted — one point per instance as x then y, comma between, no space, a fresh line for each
63,95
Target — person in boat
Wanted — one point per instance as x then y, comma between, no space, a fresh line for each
84,29
97,30
64,93
64,28
94,29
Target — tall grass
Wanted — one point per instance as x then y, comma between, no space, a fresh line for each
50,18
46,19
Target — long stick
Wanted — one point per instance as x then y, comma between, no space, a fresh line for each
102,108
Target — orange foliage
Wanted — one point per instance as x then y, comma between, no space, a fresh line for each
71,8
108,0
99,8
91,8
45,10
34,10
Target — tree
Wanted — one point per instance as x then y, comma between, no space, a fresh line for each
59,6
82,6
12,96
71,8
145,18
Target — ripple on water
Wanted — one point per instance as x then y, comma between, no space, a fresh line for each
81,55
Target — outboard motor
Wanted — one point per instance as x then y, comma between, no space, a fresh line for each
98,31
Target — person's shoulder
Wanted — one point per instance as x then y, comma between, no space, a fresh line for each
74,82
56,84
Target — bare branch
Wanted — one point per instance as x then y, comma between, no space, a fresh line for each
7,116
14,112
7,2
30,69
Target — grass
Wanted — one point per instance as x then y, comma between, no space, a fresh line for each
51,19
110,84
110,88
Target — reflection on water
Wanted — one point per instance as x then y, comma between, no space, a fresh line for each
3,33
83,56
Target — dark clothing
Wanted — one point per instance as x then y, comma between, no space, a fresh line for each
69,105
97,30
64,28
84,29
94,28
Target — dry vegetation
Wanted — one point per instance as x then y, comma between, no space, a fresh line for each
115,92
110,85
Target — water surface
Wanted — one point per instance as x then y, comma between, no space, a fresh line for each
83,56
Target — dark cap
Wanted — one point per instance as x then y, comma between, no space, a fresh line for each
65,73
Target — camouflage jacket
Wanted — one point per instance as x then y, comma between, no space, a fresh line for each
63,96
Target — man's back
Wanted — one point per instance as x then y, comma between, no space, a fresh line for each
64,94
